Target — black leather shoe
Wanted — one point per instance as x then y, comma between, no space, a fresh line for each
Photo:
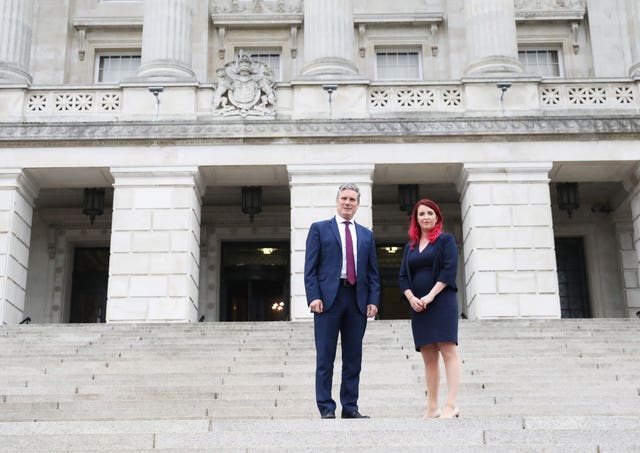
354,414
329,414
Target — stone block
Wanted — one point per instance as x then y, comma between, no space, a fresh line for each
120,241
19,251
302,218
129,263
496,306
527,259
9,313
169,309
127,310
516,282
149,241
118,285
629,259
297,261
314,195
539,305
625,239
631,279
633,298
547,282
5,221
490,260
16,272
7,199
21,229
168,263
178,286
539,194
156,198
510,194
180,241
482,283
490,216
532,216
148,286
23,208
131,220
123,198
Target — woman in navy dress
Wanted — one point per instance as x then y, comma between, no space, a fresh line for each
428,281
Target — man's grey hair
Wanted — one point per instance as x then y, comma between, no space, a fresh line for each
348,186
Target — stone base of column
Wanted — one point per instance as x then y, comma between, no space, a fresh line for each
330,68
492,66
12,75
163,72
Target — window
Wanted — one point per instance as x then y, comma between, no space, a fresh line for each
270,58
398,65
116,68
545,63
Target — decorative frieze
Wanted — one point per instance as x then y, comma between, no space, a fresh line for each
550,9
389,99
593,95
73,102
256,7
27,134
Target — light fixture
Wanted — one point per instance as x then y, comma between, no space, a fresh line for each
156,92
391,250
568,196
408,197
93,203
252,201
278,306
267,250
330,88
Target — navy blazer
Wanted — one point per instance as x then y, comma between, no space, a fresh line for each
445,264
323,264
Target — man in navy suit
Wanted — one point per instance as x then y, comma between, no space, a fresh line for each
343,289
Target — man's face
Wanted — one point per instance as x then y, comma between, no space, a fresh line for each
347,204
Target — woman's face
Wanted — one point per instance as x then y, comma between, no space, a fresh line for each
427,218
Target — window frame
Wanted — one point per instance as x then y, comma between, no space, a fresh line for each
398,50
262,51
545,48
99,54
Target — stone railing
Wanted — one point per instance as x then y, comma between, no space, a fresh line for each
415,98
588,95
48,102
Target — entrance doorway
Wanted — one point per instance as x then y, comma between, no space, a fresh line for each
392,304
572,278
255,282
89,285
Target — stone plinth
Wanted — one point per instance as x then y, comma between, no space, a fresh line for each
509,256
313,197
155,245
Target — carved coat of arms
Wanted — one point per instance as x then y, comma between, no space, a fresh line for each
245,87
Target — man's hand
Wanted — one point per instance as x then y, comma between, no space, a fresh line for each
372,311
316,306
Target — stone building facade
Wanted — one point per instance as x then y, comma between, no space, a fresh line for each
220,129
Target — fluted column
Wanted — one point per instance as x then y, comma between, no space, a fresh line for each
328,39
166,41
633,10
15,40
492,45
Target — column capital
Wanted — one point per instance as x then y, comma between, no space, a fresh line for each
494,172
17,179
331,173
158,176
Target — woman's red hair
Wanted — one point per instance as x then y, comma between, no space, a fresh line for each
414,228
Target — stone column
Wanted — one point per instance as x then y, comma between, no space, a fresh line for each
633,18
15,40
509,255
492,45
329,39
155,245
313,197
634,301
166,41
17,195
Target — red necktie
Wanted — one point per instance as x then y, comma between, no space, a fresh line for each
351,265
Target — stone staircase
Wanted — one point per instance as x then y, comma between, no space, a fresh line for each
527,386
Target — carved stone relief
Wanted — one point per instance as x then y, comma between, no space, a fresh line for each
245,88
256,6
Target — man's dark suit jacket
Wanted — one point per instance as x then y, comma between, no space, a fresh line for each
323,264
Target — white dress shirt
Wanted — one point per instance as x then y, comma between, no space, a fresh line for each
354,238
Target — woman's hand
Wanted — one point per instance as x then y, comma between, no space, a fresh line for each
416,304
426,300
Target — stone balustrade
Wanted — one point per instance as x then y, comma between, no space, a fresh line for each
107,104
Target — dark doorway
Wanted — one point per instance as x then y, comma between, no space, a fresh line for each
572,278
392,303
89,285
254,282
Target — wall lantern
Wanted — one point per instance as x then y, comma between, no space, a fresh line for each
568,197
252,200
408,197
93,203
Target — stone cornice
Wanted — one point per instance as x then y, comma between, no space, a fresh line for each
383,130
